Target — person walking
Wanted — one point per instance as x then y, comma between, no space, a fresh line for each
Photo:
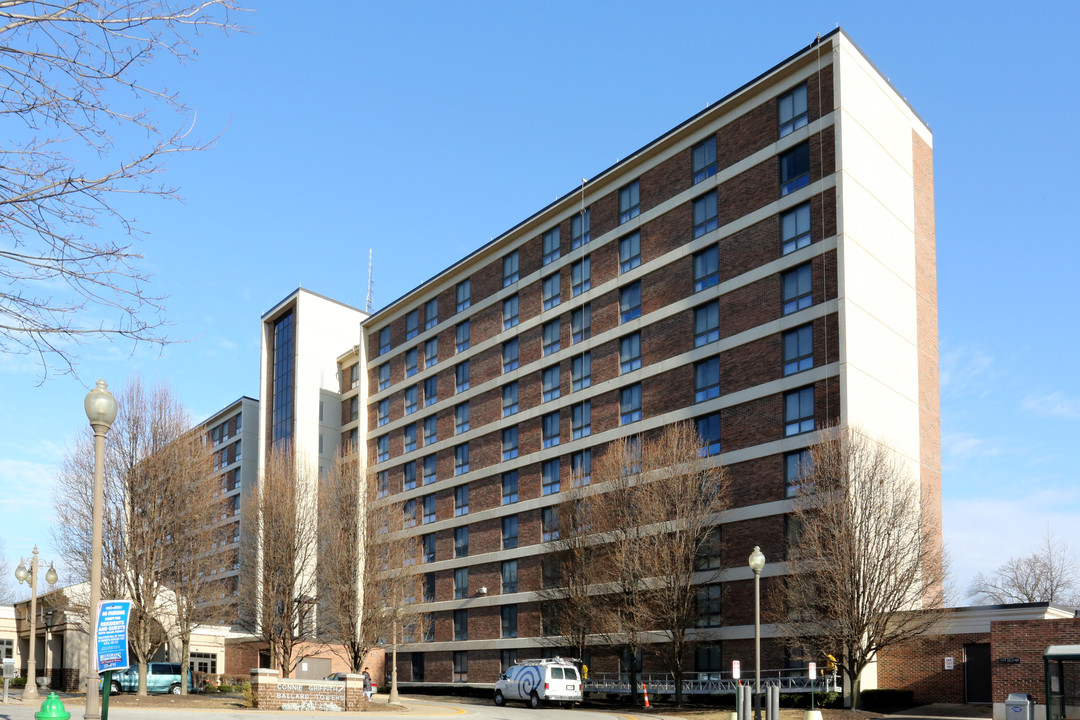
367,684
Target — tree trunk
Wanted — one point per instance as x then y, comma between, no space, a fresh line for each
185,662
143,667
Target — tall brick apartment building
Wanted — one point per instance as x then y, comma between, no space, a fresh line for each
765,269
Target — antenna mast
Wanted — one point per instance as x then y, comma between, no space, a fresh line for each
370,282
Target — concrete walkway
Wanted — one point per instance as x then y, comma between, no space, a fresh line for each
947,710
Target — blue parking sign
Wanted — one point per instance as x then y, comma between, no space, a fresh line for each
112,635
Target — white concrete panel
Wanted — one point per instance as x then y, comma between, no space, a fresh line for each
870,165
878,231
882,412
879,292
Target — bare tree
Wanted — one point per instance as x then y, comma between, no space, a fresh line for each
1050,573
7,589
282,515
196,532
867,560
681,496
155,469
74,103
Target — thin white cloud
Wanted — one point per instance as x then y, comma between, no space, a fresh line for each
1054,404
964,446
966,371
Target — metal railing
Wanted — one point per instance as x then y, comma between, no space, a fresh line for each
789,680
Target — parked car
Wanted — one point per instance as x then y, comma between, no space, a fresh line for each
554,680
160,678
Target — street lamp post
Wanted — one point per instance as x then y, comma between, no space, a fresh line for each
100,408
757,563
22,574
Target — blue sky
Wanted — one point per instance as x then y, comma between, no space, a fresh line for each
436,126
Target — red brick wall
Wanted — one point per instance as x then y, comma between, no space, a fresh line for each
1026,640
919,666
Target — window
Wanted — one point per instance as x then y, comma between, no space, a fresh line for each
461,459
409,470
629,252
795,228
429,508
412,324
429,587
551,291
510,312
431,390
410,399
408,514
630,353
510,355
383,444
705,219
509,621
706,324
707,380
382,479
581,324
795,169
461,632
549,524
510,443
629,202
797,468
431,313
581,371
384,376
384,411
579,229
799,411
581,467
581,275
464,295
550,429
431,352
703,159
708,556
427,545
708,428
510,268
630,404
550,383
509,487
551,245
581,415
461,418
798,291
409,436
798,350
461,332
552,336
709,605
429,469
510,399
630,302
384,340
509,576
550,477
410,361
706,268
461,500
461,583
461,541
510,532
793,113
461,376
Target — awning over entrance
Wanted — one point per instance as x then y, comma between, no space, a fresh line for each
1062,652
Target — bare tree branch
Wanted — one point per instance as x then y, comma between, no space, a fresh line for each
69,100
867,563
1050,573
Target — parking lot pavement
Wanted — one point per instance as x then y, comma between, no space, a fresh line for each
946,710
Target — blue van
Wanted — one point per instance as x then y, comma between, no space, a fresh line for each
161,677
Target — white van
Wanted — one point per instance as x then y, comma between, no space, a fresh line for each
535,681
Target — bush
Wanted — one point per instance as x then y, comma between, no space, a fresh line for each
17,682
249,696
886,700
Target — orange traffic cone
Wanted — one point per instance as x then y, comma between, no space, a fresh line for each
645,691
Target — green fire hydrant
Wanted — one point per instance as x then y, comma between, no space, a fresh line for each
52,709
